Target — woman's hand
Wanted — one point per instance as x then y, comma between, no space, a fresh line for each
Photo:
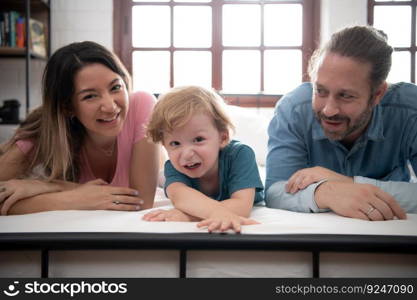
98,195
303,178
171,215
223,220
14,190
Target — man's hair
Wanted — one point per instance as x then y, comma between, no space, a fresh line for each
362,43
176,107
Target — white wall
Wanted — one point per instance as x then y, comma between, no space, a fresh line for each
341,13
81,20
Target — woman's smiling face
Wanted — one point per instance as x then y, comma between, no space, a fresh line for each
100,101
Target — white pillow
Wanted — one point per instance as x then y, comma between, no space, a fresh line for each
251,129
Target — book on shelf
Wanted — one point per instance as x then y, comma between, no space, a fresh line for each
37,37
8,22
12,33
1,30
20,32
5,29
13,16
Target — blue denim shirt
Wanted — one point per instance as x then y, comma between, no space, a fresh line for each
297,141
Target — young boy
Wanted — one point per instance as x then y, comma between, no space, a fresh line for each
208,177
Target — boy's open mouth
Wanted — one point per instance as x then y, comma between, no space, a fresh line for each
192,166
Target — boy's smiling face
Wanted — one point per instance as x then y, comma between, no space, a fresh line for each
194,148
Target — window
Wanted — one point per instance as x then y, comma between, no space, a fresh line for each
398,20
250,51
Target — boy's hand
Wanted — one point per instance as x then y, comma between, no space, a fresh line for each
223,220
172,215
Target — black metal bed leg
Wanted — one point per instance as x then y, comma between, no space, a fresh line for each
45,263
183,263
316,264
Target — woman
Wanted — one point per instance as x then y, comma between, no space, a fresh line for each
85,145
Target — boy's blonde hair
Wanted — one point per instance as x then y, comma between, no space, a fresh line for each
176,107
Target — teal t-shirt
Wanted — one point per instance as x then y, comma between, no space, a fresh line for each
237,171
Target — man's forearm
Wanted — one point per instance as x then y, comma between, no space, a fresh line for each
302,201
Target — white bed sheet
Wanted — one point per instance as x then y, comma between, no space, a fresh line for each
272,221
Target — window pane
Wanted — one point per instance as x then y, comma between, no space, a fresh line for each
395,21
151,71
241,71
241,25
401,67
192,0
192,68
283,24
282,69
150,26
174,0
192,26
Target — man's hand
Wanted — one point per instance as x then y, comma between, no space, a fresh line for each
360,201
303,178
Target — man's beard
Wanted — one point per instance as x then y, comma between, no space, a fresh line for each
361,122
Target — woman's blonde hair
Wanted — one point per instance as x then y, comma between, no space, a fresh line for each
176,107
56,133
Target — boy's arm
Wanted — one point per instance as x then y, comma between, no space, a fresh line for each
191,201
241,202
215,215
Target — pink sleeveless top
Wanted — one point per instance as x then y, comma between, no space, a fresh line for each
140,109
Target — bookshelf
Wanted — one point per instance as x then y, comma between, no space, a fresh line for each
17,52
38,10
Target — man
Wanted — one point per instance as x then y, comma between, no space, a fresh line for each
343,142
